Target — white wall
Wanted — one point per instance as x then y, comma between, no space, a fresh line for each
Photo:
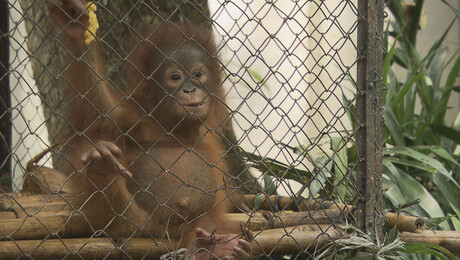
439,17
303,69
29,133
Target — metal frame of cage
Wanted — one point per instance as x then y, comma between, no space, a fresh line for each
369,215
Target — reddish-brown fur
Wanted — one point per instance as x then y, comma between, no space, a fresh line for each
177,161
166,138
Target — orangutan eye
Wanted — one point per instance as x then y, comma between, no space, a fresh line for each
197,74
175,77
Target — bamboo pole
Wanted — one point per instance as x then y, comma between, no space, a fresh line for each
293,240
21,202
445,238
40,227
82,248
273,241
278,203
41,206
36,227
37,212
405,223
281,240
34,205
259,221
25,199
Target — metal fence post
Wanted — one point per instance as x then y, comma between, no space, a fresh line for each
5,101
369,106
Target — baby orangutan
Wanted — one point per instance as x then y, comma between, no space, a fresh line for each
153,162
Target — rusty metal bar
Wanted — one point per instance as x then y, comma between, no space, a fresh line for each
369,106
5,100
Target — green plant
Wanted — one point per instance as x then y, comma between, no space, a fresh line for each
419,159
421,150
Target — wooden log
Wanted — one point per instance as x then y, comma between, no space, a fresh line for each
293,240
83,248
35,205
274,241
49,209
259,221
278,203
39,222
40,227
44,180
47,222
23,200
405,223
7,215
445,238
40,179
275,202
280,241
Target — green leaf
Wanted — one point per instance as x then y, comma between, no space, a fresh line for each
456,12
393,126
456,222
441,152
446,91
429,249
276,168
398,11
453,74
436,46
256,76
406,151
351,111
421,158
405,88
392,191
412,164
391,90
430,221
269,185
402,58
445,188
415,21
324,166
411,189
447,132
388,60
339,147
457,120
386,35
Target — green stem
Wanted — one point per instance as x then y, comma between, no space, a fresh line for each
397,10
412,37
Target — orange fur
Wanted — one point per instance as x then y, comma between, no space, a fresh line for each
177,161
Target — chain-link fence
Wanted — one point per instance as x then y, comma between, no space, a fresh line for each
189,127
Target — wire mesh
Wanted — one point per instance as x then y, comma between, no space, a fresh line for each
258,124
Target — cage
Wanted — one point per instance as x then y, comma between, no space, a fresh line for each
172,129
